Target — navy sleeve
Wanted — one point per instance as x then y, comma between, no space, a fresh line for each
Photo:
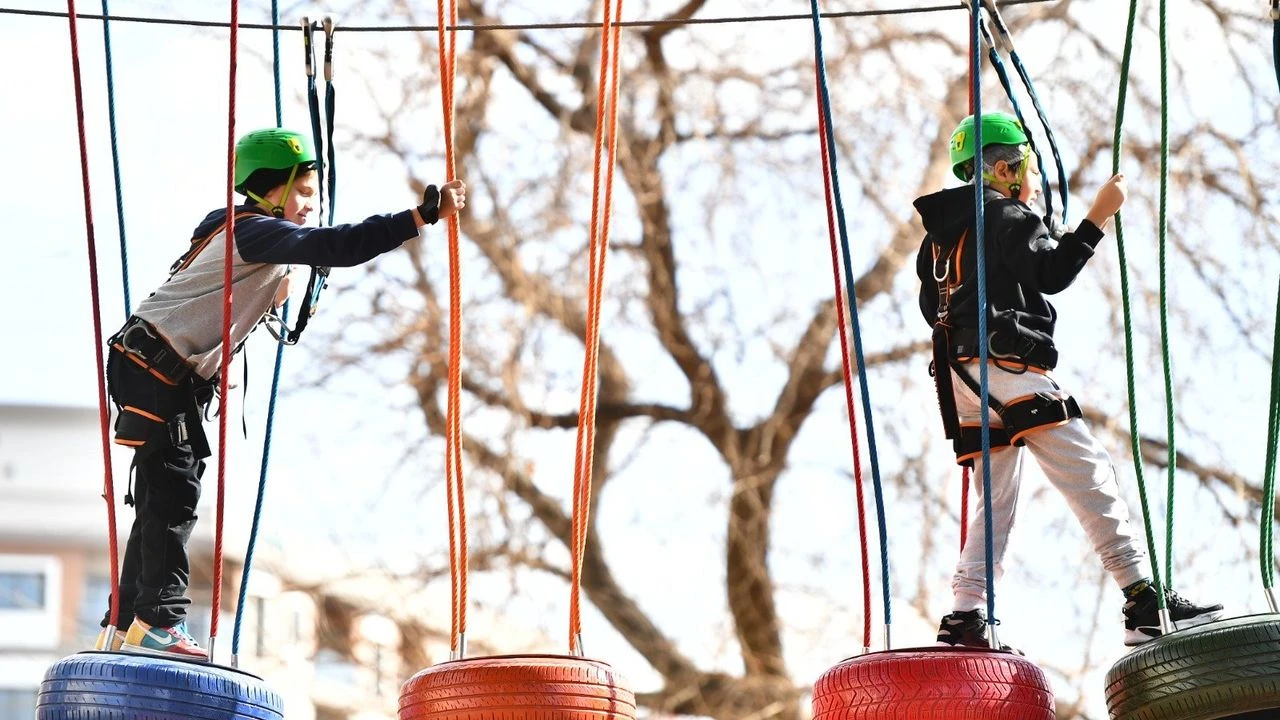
280,242
1035,257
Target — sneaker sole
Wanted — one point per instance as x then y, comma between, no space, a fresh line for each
139,650
1145,634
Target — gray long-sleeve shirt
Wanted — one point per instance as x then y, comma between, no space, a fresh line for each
187,309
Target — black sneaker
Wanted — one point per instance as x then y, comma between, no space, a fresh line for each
968,629
1142,617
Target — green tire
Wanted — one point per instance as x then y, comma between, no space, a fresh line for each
1225,669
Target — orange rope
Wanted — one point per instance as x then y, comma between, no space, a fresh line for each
455,490
598,245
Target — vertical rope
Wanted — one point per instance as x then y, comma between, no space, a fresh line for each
851,290
313,106
104,413
964,507
330,104
1003,74
846,364
275,58
983,380
1266,553
598,247
115,156
1165,355
1134,437
1275,37
260,502
455,489
226,324
1007,40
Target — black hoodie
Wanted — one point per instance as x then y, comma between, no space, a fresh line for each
1025,261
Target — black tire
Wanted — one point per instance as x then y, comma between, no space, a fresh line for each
1226,669
118,686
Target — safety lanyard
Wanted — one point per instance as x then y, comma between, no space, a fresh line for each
319,275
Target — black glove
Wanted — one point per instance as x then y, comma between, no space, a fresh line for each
430,207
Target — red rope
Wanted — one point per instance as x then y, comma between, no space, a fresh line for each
598,246
455,490
104,414
848,374
226,322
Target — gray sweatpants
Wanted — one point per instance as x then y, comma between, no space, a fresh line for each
1073,461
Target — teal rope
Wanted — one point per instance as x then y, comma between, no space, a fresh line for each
275,391
850,290
1266,551
1134,438
115,156
1003,74
1165,356
980,244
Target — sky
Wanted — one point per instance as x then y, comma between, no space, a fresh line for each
171,101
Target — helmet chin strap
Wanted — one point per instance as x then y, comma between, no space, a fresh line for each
276,210
1015,187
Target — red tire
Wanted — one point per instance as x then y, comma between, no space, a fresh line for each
934,684
518,687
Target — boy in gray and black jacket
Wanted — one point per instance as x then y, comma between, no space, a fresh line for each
163,363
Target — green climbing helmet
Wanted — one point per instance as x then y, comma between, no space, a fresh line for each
997,129
271,149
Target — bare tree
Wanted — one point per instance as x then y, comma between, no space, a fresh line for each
720,329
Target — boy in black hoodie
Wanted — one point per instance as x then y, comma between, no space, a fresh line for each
1025,261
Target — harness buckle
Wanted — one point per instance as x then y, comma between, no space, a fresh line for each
130,347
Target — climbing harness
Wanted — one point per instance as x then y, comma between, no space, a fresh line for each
953,348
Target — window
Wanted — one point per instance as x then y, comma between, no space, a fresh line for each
30,602
22,591
94,597
260,631
17,703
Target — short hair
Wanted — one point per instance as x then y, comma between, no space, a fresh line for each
264,180
1012,155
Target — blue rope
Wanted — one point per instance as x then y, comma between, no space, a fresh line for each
275,389
1048,132
115,156
275,57
980,246
1035,101
329,104
1003,74
853,310
1275,37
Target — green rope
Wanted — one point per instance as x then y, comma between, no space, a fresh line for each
1171,463
1266,553
1134,437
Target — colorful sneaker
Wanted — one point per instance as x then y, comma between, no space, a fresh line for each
1142,617
117,640
172,641
967,629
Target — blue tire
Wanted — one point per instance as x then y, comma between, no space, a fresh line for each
118,686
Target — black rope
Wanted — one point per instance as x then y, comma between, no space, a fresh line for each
669,22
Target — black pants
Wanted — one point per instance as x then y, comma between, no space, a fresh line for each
166,488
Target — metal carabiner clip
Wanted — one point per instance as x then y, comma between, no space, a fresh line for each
124,339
